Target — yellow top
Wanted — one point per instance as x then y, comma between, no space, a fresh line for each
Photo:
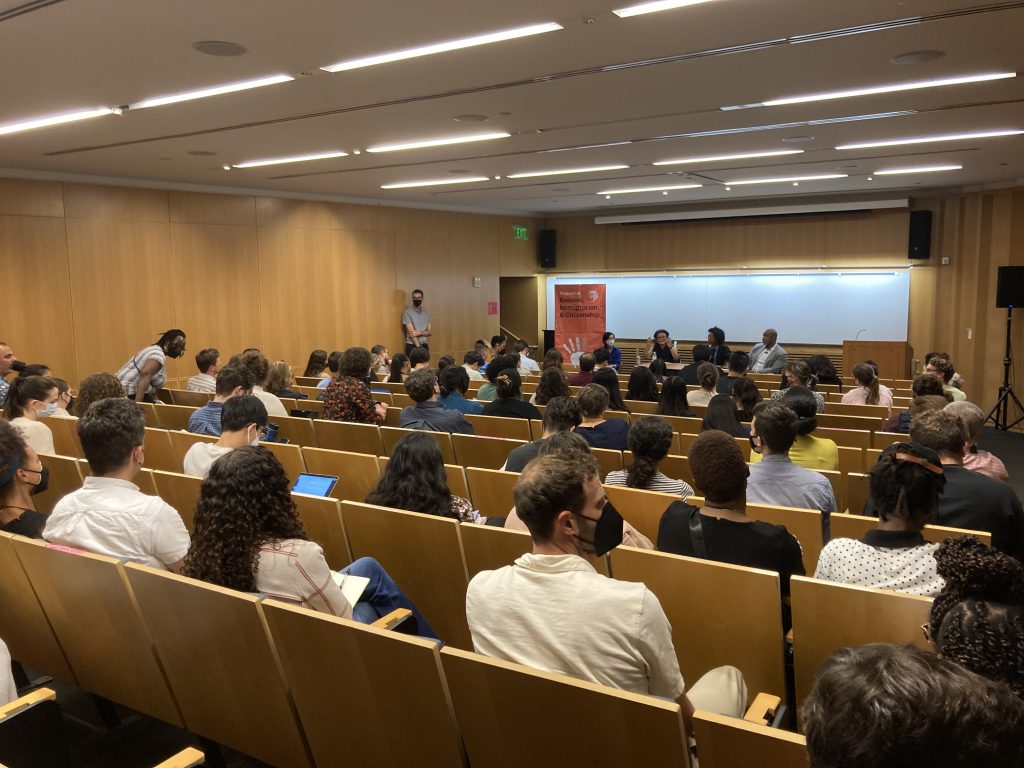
810,452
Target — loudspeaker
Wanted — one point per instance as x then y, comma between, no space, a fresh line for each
549,340
1010,287
546,248
920,241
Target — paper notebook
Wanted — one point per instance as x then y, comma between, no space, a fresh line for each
352,587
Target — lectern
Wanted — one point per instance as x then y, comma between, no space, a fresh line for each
893,357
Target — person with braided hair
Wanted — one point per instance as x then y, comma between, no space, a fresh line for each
649,439
905,486
978,618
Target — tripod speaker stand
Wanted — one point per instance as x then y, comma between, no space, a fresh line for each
1000,413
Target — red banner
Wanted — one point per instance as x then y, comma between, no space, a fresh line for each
579,319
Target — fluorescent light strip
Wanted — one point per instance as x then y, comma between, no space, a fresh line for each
439,142
654,7
785,179
450,45
588,146
43,122
217,90
648,189
919,169
594,169
894,88
929,139
718,158
779,126
434,182
293,159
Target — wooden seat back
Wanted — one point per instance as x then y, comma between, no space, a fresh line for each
675,467
189,399
391,436
423,554
853,438
357,473
321,516
728,742
488,547
181,442
858,489
882,440
500,426
65,477
850,409
159,453
491,490
65,436
221,665
349,436
855,526
497,702
804,524
290,457
485,452
298,430
181,492
173,416
642,509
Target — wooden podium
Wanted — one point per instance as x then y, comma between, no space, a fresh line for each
893,357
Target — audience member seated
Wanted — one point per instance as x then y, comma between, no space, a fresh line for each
942,369
333,360
552,359
98,386
316,364
248,537
553,611
243,422
526,362
34,369
419,358
798,374
29,401
232,380
707,380
414,479
614,353
208,363
65,400
279,381
428,413
890,706
870,392
657,367
483,349
718,352
607,378
586,372
472,361
776,479
824,370
602,359
22,476
817,453
746,395
928,396
499,343
673,400
400,368
444,361
488,391
595,429
145,373
109,515
723,416
738,364
562,414
905,486
721,530
649,440
978,618
259,368
970,500
454,384
701,355
381,365
553,383
976,459
509,401
642,385
348,397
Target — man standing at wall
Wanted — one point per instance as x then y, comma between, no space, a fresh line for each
417,323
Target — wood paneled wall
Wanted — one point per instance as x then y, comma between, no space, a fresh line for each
93,273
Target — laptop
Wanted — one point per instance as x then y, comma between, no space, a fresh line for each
315,485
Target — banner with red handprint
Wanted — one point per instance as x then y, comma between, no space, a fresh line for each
579,319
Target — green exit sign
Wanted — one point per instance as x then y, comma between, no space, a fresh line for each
520,233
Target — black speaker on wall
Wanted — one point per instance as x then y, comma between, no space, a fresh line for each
920,245
546,248
1010,287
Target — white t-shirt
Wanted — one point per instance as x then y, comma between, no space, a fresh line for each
474,375
113,517
528,363
200,458
903,569
8,690
36,434
556,613
271,402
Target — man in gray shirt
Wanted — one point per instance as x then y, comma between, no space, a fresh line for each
776,479
428,413
417,323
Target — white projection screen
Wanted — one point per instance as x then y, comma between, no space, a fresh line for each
824,308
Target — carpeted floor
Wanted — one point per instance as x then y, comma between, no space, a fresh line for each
1008,446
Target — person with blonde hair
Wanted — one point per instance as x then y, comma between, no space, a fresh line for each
798,374
279,381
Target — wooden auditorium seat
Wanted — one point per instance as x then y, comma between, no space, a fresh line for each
729,742
290,457
357,473
322,519
173,416
500,426
159,453
488,548
65,477
298,430
391,436
65,436
348,436
181,492
181,442
491,490
642,509
485,452
855,526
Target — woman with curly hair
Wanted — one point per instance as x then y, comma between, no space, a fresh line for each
553,383
98,386
642,385
978,618
22,476
649,439
348,396
673,398
248,537
414,479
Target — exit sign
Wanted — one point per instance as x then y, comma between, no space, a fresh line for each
520,233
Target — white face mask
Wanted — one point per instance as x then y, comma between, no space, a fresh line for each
256,440
48,410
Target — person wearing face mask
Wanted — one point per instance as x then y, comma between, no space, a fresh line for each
552,610
30,400
416,322
243,422
109,515
614,353
22,476
145,373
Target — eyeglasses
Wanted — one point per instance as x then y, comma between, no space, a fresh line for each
262,432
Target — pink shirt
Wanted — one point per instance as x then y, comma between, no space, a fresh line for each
859,396
986,464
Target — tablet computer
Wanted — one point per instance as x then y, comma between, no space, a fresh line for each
315,485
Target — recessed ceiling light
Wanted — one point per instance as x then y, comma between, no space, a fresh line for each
917,57
439,142
797,139
918,169
433,182
593,169
216,90
219,48
654,7
718,158
43,122
292,159
471,118
929,139
636,190
787,179
449,45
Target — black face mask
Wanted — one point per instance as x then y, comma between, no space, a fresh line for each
44,480
417,302
607,533
176,350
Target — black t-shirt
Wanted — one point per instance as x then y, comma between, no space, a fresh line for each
523,455
689,373
512,407
664,353
29,524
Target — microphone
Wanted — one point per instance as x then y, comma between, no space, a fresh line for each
859,333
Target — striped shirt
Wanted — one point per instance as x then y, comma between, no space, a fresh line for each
206,420
660,483
130,373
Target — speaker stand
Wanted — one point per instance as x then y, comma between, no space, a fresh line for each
1000,413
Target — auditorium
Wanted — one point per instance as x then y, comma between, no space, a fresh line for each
488,384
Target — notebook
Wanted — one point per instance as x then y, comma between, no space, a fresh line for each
352,587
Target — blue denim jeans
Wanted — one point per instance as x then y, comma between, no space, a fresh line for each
382,596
